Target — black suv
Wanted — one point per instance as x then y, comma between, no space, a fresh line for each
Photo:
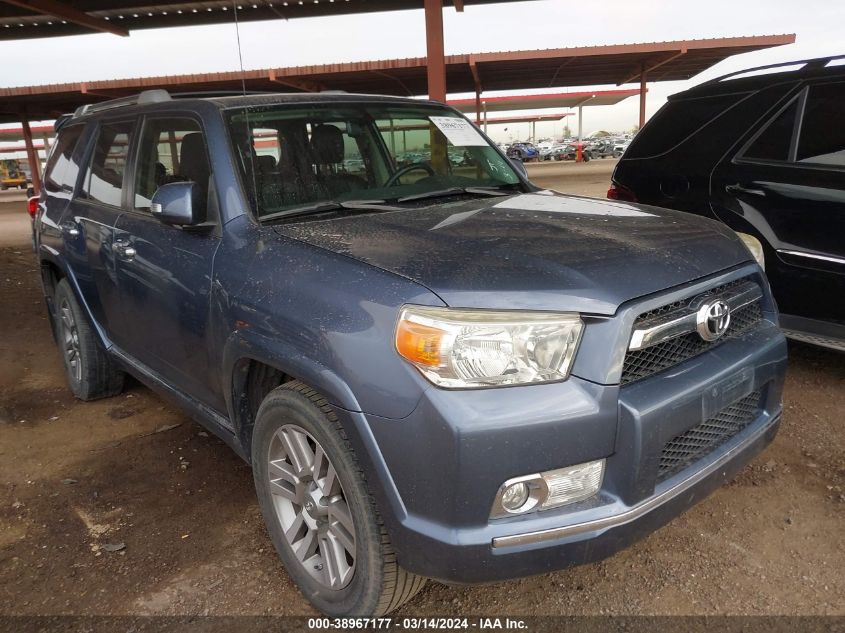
763,151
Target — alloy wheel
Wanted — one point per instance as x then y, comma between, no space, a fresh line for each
70,340
311,506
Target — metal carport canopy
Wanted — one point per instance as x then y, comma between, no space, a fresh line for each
510,103
21,19
476,72
27,19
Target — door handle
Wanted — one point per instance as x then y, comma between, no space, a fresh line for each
749,190
70,228
124,248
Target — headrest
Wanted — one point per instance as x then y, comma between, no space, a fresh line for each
266,163
327,145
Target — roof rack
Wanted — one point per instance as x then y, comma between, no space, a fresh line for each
216,93
142,98
808,65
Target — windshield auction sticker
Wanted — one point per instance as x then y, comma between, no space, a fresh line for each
460,132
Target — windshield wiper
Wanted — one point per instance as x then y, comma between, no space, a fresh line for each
451,191
491,191
325,206
431,194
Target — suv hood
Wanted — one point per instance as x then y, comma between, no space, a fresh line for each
540,251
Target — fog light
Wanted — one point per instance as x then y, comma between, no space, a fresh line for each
515,496
549,489
571,484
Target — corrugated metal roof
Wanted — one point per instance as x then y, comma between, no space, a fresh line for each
507,70
510,103
124,16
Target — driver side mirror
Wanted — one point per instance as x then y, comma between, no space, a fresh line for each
519,166
179,204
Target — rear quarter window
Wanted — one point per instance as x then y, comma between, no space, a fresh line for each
822,139
677,121
62,170
775,139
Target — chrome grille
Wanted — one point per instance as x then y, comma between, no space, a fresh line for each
690,446
647,361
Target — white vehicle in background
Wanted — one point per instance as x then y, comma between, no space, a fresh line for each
546,147
620,147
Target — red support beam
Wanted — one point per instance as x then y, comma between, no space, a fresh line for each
435,53
293,82
63,11
32,157
477,80
642,96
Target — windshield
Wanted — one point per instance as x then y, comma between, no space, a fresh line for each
298,156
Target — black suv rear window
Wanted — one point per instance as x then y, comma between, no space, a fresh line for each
677,121
775,141
822,139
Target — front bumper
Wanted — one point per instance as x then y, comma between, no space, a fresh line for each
437,471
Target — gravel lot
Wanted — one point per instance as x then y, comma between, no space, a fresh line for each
125,506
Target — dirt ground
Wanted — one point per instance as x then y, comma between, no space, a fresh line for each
125,506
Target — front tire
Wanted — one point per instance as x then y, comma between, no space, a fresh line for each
91,373
321,518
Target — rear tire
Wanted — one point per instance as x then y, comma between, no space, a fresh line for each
91,373
329,536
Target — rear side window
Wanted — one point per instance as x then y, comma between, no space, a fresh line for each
61,171
775,140
677,121
104,177
822,139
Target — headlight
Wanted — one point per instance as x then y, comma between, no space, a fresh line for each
459,349
755,247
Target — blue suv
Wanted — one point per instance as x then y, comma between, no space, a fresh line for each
436,370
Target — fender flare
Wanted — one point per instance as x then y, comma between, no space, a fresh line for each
244,345
50,255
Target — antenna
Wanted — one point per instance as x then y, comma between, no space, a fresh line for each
238,37
249,149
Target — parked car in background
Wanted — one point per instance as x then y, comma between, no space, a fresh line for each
764,152
620,147
546,151
523,151
434,371
602,148
570,152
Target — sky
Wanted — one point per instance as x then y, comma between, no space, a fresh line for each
508,26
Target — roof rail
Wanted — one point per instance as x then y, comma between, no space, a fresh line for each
142,98
216,93
808,64
60,121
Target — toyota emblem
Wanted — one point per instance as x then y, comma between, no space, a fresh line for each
712,320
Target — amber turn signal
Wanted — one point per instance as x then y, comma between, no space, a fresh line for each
418,343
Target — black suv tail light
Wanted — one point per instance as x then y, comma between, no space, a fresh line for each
621,192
